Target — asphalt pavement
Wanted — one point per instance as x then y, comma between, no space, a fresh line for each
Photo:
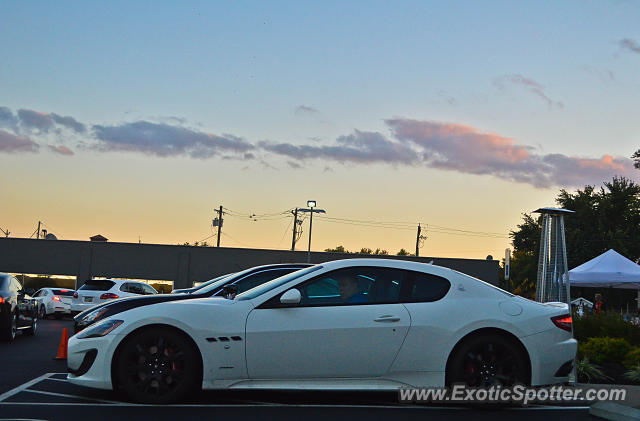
33,386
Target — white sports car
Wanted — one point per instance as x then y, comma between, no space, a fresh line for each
362,324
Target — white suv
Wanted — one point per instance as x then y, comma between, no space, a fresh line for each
98,291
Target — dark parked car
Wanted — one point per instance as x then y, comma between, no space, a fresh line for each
236,283
18,311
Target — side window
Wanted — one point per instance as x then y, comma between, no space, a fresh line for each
259,278
39,294
425,287
148,289
125,287
353,286
136,288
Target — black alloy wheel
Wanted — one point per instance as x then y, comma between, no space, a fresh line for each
485,361
157,366
42,313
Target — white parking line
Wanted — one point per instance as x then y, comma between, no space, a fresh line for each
64,395
24,386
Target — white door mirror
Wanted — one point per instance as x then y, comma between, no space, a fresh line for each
292,296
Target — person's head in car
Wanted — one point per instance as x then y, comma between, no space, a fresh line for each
349,289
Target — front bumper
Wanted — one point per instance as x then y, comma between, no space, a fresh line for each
83,371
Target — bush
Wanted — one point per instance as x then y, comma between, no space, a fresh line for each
632,359
606,349
588,371
605,325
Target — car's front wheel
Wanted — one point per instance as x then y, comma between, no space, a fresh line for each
158,366
488,360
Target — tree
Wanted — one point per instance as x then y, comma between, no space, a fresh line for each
402,252
604,218
636,159
339,249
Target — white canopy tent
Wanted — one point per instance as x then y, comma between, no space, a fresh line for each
609,270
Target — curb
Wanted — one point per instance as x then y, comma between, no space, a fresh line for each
614,411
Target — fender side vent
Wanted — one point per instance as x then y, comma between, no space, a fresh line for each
236,338
223,338
212,340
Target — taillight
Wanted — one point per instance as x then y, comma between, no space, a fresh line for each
75,295
1,299
108,296
56,298
563,322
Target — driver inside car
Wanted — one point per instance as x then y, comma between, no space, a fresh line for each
350,291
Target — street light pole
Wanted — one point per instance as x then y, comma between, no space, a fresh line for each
311,205
310,225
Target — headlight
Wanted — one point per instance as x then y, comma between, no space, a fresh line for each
92,316
101,329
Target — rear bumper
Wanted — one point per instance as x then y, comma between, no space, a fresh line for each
78,307
550,351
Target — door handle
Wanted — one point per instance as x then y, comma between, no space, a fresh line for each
387,319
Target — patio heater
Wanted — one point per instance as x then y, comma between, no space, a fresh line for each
553,274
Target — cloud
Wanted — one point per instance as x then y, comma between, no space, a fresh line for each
45,122
35,120
8,119
304,109
460,148
359,147
61,150
630,45
528,84
164,140
466,149
10,143
69,122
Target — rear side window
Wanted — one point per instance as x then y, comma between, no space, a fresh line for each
149,290
424,287
64,292
97,285
132,287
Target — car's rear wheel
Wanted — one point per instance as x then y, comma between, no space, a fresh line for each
33,328
10,328
42,313
488,360
157,366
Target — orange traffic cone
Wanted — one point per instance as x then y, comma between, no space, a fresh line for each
62,349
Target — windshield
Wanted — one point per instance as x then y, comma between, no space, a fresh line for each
97,285
259,290
216,281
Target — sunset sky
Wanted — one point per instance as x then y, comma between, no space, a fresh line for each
135,120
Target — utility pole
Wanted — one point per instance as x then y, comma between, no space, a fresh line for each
38,237
219,224
295,226
418,239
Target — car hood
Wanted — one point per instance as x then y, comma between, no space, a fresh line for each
123,304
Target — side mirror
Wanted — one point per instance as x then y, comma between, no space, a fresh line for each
292,296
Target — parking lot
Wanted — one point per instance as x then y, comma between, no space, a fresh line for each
33,386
